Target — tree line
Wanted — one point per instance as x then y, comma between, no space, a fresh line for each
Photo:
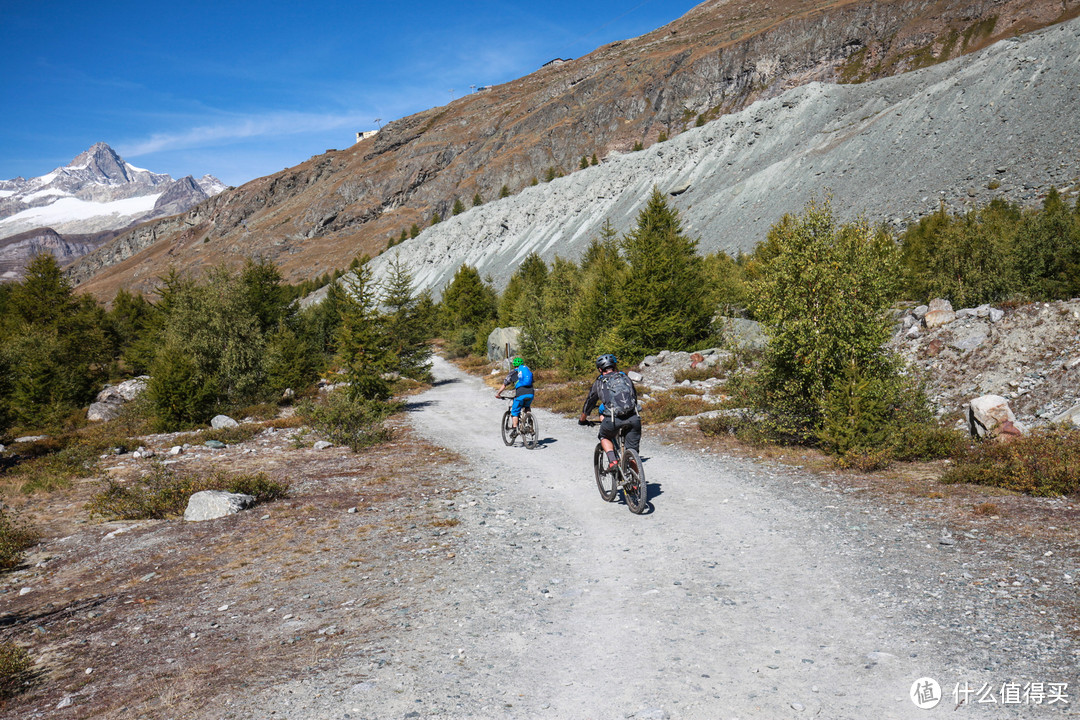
822,289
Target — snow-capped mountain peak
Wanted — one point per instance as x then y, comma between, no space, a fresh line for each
96,192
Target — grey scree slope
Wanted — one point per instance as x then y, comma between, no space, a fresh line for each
890,150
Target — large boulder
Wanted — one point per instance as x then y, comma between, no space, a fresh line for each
503,343
211,504
742,333
990,416
1070,417
220,422
109,401
940,313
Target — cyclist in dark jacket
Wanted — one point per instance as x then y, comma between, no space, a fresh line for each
612,419
521,377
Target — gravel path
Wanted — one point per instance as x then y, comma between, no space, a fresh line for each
749,591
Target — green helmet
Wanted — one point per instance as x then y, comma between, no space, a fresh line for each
517,362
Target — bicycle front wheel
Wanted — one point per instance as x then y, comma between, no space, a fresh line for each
507,427
605,481
635,491
530,430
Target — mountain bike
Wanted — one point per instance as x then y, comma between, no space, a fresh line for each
528,429
628,475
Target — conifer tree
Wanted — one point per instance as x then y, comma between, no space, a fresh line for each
504,192
584,162
265,296
595,160
407,330
664,299
477,201
467,302
458,208
360,342
595,315
414,230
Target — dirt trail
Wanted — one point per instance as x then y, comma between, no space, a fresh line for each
748,591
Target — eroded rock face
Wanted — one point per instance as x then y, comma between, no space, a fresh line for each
717,58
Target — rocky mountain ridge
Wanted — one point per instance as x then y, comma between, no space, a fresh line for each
76,208
991,124
720,57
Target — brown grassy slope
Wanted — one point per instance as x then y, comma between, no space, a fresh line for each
719,57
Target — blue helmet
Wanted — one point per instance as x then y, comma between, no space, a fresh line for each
605,362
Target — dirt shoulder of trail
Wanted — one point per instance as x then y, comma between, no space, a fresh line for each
156,618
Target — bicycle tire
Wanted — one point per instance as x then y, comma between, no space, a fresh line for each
605,481
507,426
530,430
635,490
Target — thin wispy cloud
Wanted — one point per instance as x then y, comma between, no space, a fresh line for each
245,128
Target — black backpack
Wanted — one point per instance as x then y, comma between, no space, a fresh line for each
617,395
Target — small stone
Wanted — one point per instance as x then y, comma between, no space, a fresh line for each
797,707
323,445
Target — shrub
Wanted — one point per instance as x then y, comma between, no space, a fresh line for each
822,293
16,536
928,441
668,405
352,421
1043,463
164,493
15,668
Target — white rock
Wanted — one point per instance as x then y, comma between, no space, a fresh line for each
223,421
211,504
322,445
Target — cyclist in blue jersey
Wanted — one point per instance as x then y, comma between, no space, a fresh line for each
521,378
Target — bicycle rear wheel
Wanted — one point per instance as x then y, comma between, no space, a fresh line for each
605,481
530,430
507,426
635,490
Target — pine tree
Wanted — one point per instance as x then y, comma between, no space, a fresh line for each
436,219
458,208
664,299
261,286
467,302
414,230
595,314
44,296
595,160
360,342
504,192
584,162
407,329
477,201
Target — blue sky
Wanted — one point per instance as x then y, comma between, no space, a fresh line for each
243,89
